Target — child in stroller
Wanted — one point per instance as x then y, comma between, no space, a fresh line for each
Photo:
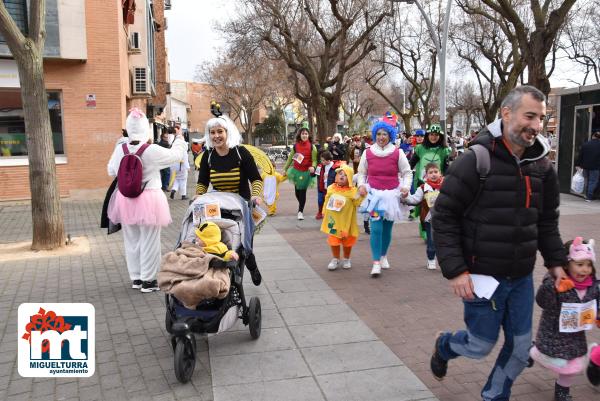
231,214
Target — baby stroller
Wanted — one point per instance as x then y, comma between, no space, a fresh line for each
214,315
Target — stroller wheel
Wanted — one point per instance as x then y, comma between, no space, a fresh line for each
254,317
168,322
185,359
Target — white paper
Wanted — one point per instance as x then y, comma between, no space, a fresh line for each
484,286
576,317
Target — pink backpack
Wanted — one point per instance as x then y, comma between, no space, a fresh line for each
129,177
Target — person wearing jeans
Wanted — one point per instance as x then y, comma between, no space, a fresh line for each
589,161
494,227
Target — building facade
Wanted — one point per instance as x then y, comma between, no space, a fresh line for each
100,59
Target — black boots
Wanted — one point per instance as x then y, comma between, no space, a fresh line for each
172,194
561,393
366,225
253,269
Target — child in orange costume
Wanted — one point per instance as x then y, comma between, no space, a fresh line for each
341,202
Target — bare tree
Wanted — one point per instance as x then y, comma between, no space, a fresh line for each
485,49
244,84
580,40
464,98
27,50
321,40
531,25
405,53
358,101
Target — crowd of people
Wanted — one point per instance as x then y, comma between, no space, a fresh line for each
483,227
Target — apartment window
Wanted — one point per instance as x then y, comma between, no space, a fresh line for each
13,138
18,11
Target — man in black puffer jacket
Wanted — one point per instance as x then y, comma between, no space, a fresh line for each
497,233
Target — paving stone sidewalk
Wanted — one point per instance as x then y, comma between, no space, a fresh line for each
312,347
408,305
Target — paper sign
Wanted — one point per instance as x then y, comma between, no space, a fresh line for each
577,317
298,157
258,215
90,101
206,211
484,286
336,203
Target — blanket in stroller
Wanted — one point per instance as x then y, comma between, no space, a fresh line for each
185,273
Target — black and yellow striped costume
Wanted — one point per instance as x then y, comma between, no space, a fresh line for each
229,173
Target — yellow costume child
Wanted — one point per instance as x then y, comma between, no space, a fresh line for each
210,235
339,220
271,190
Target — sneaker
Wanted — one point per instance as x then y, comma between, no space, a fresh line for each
319,216
172,195
136,284
588,200
376,270
183,197
431,264
333,264
346,264
150,286
384,262
300,216
256,277
561,393
438,365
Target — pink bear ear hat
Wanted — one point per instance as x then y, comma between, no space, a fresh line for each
595,355
579,251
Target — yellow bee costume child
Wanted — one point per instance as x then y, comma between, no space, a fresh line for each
210,235
339,220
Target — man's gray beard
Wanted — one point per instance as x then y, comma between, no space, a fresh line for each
518,140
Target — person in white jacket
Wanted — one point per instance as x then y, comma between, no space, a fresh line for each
179,176
143,216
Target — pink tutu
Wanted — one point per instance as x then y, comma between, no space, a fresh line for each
149,209
558,365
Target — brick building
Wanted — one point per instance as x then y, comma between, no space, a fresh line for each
100,59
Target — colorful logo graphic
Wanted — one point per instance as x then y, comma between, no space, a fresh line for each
56,340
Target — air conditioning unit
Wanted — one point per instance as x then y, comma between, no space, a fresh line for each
167,4
140,80
134,43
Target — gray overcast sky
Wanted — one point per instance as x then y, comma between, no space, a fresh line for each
192,39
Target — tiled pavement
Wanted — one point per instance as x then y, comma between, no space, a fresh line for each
408,304
312,347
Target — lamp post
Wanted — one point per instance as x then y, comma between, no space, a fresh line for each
441,52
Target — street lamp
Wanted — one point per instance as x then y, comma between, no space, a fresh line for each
441,52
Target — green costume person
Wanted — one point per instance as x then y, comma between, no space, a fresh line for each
433,150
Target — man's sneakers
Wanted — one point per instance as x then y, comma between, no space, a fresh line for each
346,264
136,284
438,365
333,264
300,216
149,286
431,264
384,262
376,270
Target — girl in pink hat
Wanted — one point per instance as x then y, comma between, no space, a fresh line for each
568,311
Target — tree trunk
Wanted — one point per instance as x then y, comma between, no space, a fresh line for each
46,210
537,76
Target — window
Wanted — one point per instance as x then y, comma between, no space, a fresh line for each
13,140
18,11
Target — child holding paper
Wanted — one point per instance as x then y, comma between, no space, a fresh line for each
568,311
339,220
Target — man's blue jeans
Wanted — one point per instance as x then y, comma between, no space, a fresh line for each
592,182
511,308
